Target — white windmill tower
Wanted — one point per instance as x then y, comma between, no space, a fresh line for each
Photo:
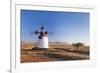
42,39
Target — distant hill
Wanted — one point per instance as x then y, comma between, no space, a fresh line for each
50,43
58,43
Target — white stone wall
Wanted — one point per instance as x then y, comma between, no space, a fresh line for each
43,43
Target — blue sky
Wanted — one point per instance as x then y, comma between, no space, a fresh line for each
67,27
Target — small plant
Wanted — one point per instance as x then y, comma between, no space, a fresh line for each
77,45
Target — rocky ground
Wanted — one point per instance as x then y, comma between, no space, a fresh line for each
52,54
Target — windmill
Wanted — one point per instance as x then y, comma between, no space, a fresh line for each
42,36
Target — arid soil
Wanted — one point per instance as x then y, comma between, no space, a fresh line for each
29,53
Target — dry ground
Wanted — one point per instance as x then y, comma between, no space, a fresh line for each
54,53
